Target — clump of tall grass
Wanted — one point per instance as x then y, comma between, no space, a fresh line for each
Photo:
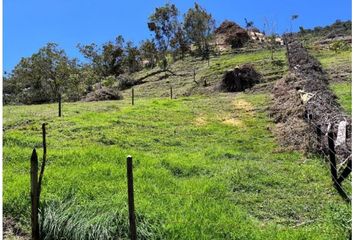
68,220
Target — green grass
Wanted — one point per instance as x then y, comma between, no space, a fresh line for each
330,59
204,168
183,83
341,63
343,90
260,59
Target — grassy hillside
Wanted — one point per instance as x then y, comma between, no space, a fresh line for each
206,164
183,83
204,168
339,68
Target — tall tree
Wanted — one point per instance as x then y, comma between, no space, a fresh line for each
199,26
271,36
180,43
163,22
43,76
293,18
149,52
132,58
106,60
249,24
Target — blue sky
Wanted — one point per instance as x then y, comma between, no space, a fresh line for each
28,25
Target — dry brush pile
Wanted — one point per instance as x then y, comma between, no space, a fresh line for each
302,100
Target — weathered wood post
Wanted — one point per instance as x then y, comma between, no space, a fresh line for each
319,136
332,158
171,92
59,105
348,168
132,224
309,142
34,196
194,74
44,143
132,96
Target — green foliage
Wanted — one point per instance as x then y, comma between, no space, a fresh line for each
339,28
343,90
109,81
42,77
106,60
132,59
149,52
180,43
249,24
164,23
339,45
199,26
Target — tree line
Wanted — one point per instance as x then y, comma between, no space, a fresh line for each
49,73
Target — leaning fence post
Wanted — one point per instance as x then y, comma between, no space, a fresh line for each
319,136
132,224
44,143
332,158
34,196
59,105
132,96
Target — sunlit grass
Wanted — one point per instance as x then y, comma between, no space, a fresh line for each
204,168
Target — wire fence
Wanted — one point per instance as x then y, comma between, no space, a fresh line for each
325,146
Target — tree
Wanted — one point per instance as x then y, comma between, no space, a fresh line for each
163,22
249,24
293,18
132,58
44,76
271,36
199,26
106,60
180,42
149,52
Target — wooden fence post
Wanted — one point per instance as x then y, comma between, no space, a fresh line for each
34,196
59,105
44,143
132,224
319,136
332,158
132,96
171,92
194,74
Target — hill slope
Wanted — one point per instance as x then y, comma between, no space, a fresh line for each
203,167
206,166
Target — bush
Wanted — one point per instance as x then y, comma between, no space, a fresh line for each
103,94
125,82
339,45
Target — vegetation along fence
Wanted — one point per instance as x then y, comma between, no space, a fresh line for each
326,148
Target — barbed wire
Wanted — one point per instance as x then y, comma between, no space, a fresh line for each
326,134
